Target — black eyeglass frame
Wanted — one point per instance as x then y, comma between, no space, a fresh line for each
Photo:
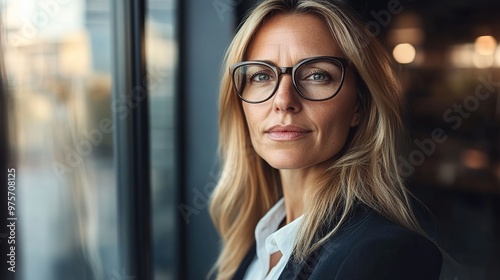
278,71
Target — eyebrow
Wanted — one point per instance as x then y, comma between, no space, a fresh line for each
260,60
274,64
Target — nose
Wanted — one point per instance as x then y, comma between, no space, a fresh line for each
286,98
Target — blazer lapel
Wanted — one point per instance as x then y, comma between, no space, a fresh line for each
290,271
298,271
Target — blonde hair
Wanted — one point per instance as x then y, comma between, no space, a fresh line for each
365,171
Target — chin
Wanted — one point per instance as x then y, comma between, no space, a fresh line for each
294,160
285,161
284,165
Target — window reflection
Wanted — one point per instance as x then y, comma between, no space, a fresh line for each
161,57
58,58
58,66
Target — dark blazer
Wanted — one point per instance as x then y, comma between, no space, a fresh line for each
368,246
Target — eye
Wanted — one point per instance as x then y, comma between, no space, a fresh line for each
318,77
259,77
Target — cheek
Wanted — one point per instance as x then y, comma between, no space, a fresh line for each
332,129
248,116
251,117
335,124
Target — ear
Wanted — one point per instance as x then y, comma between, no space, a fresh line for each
356,117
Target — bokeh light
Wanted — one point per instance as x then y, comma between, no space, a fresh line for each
485,45
404,53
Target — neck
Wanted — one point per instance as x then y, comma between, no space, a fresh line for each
294,183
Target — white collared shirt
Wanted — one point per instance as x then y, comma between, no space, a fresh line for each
270,240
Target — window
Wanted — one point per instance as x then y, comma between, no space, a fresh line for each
60,62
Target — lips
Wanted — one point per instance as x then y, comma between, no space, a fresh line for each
286,132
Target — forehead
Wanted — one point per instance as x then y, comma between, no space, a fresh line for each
292,37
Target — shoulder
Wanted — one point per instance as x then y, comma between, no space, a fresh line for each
370,246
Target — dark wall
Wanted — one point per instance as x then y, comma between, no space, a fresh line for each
206,29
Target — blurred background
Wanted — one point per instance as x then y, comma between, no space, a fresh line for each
61,91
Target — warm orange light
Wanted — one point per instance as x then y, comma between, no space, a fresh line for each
482,61
485,45
404,53
475,159
497,56
461,55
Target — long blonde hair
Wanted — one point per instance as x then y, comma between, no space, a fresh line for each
366,171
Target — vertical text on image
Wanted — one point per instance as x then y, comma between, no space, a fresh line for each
11,219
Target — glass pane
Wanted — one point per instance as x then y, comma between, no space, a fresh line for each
161,51
452,160
57,58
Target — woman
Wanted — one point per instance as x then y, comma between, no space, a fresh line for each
310,112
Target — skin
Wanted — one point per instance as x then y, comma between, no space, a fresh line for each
285,40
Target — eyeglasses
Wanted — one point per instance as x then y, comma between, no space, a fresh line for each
316,78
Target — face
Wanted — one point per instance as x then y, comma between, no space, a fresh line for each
288,131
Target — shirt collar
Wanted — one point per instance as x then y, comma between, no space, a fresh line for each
270,239
283,239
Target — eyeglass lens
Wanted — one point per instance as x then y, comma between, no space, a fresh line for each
315,80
